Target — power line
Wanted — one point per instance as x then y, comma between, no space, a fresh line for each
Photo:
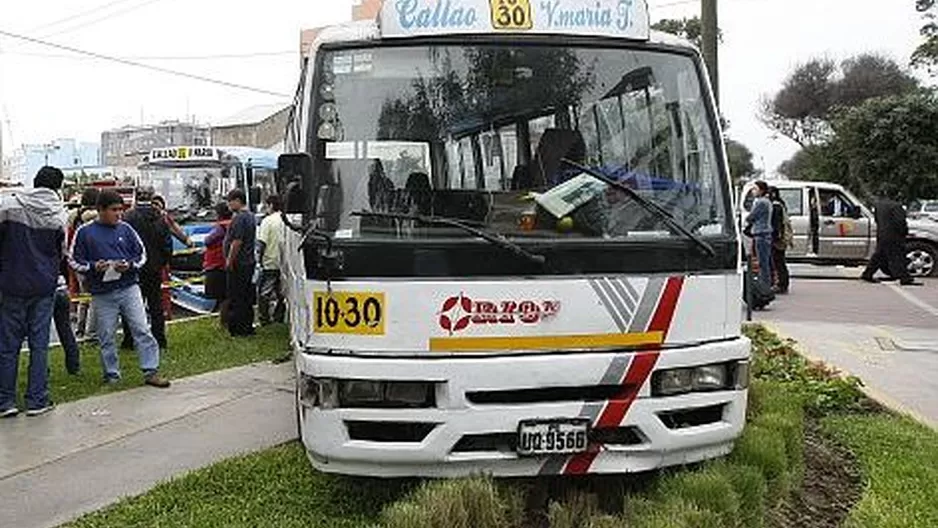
81,14
138,64
98,20
223,56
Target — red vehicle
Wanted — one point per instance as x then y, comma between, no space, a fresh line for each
127,191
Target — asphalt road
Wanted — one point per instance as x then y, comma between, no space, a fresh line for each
884,334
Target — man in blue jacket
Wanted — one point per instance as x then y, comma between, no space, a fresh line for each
110,254
32,240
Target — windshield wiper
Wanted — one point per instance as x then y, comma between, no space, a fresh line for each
649,206
495,239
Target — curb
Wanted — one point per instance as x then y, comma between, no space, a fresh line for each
873,394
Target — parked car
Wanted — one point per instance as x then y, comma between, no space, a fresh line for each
846,232
923,209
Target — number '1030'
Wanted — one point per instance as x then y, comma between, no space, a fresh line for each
352,311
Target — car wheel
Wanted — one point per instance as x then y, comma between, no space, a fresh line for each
923,259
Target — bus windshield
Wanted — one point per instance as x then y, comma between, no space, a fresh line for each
482,133
190,192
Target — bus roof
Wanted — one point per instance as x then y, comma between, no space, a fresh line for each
585,18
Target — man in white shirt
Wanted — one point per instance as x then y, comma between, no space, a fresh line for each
269,241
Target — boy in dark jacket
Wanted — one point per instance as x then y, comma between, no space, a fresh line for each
149,224
32,240
110,254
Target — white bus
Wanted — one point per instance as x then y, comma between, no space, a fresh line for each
511,247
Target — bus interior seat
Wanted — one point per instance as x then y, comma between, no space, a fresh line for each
556,144
419,192
521,179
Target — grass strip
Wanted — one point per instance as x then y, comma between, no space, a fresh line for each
195,347
899,458
276,488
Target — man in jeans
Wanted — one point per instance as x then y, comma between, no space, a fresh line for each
32,240
269,241
239,257
760,218
109,252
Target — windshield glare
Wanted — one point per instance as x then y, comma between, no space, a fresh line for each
187,191
479,133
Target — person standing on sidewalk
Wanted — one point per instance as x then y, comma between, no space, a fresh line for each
239,255
213,263
61,317
32,242
111,254
892,230
269,242
149,224
760,220
782,238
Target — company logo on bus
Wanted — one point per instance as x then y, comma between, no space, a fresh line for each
461,311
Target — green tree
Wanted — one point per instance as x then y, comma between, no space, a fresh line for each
740,160
926,55
687,28
887,146
803,108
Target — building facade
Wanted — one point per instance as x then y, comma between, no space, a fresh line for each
126,146
66,154
261,126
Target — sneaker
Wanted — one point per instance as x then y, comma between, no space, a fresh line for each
9,413
40,411
155,380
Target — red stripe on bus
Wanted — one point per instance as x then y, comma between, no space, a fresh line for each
635,377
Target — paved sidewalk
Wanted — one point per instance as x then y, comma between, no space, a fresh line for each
884,334
89,454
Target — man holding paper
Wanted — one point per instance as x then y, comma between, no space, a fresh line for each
110,254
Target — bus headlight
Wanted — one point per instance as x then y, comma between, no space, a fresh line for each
704,378
327,393
361,393
711,377
675,381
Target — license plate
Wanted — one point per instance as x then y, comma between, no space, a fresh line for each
359,313
557,437
511,15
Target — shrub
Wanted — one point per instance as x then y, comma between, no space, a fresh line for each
709,489
763,449
469,503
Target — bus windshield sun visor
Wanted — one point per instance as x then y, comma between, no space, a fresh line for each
649,206
495,239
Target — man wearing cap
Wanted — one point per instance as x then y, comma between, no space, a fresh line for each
149,224
32,245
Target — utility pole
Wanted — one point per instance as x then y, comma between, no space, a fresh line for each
709,36
1,148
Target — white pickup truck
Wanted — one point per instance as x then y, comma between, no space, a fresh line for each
846,233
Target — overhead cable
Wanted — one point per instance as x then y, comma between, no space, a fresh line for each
126,62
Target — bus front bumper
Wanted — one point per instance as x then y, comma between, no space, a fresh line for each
478,404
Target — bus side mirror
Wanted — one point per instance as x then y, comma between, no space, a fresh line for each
295,200
294,179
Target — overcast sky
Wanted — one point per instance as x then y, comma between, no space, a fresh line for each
47,93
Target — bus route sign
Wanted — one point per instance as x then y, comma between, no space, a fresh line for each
609,18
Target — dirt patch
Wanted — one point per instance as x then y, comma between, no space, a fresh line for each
832,485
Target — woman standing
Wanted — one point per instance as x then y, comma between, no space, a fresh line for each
213,262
